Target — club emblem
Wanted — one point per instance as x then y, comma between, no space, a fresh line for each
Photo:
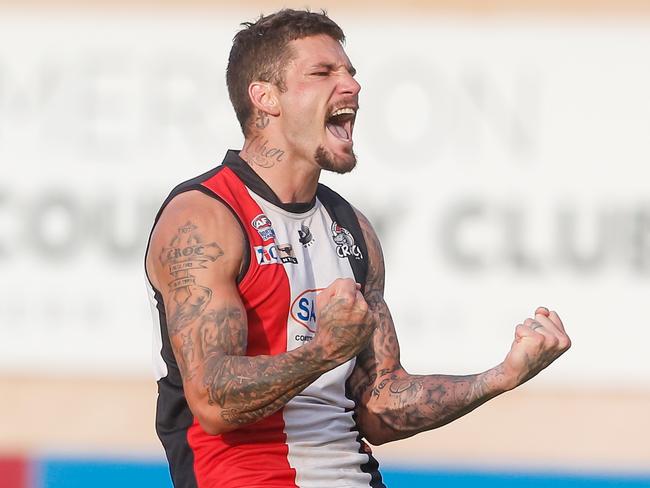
345,246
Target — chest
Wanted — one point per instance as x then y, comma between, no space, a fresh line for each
313,250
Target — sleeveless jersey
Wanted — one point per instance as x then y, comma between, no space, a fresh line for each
293,251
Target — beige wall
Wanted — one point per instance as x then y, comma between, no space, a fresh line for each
526,428
470,7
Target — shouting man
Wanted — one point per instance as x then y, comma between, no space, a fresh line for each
278,352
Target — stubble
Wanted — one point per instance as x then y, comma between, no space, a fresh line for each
329,162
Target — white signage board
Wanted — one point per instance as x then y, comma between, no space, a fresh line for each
503,161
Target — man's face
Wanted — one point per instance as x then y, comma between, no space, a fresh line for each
320,103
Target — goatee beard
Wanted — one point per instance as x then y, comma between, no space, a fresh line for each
329,162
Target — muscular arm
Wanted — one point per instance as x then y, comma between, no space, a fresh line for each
194,258
393,404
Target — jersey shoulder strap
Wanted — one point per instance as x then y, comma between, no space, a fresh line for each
343,214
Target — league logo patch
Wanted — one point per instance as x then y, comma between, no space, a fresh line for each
262,224
286,254
345,246
305,236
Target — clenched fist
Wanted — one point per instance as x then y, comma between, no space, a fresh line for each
344,323
538,342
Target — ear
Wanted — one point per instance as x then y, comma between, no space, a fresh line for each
263,97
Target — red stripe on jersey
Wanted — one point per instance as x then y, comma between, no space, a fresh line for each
234,459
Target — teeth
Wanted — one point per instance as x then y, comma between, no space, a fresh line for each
342,111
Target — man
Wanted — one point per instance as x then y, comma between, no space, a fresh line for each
279,354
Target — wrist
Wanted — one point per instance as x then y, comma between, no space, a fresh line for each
317,354
505,377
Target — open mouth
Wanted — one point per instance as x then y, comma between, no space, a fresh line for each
340,123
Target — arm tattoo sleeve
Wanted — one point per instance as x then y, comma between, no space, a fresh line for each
249,388
187,252
406,404
412,404
210,338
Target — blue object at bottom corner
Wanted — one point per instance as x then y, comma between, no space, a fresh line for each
418,478
84,473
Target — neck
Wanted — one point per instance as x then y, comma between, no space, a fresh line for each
292,179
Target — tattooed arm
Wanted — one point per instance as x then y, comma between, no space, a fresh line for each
392,404
194,258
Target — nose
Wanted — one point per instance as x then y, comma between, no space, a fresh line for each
350,86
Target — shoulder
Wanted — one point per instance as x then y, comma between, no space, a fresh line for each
340,208
364,223
193,222
197,204
327,196
369,234
375,256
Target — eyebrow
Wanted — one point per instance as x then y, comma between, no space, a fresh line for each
332,67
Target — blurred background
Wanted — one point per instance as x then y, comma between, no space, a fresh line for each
503,149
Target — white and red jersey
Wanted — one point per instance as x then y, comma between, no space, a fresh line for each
293,251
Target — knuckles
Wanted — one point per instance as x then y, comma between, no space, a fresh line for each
538,340
362,305
344,299
554,342
564,343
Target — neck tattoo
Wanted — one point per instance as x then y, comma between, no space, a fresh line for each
260,154
262,120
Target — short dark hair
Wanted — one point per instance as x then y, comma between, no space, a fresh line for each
260,52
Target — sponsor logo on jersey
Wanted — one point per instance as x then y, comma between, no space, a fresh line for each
286,254
305,236
303,309
303,338
262,224
345,246
267,254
